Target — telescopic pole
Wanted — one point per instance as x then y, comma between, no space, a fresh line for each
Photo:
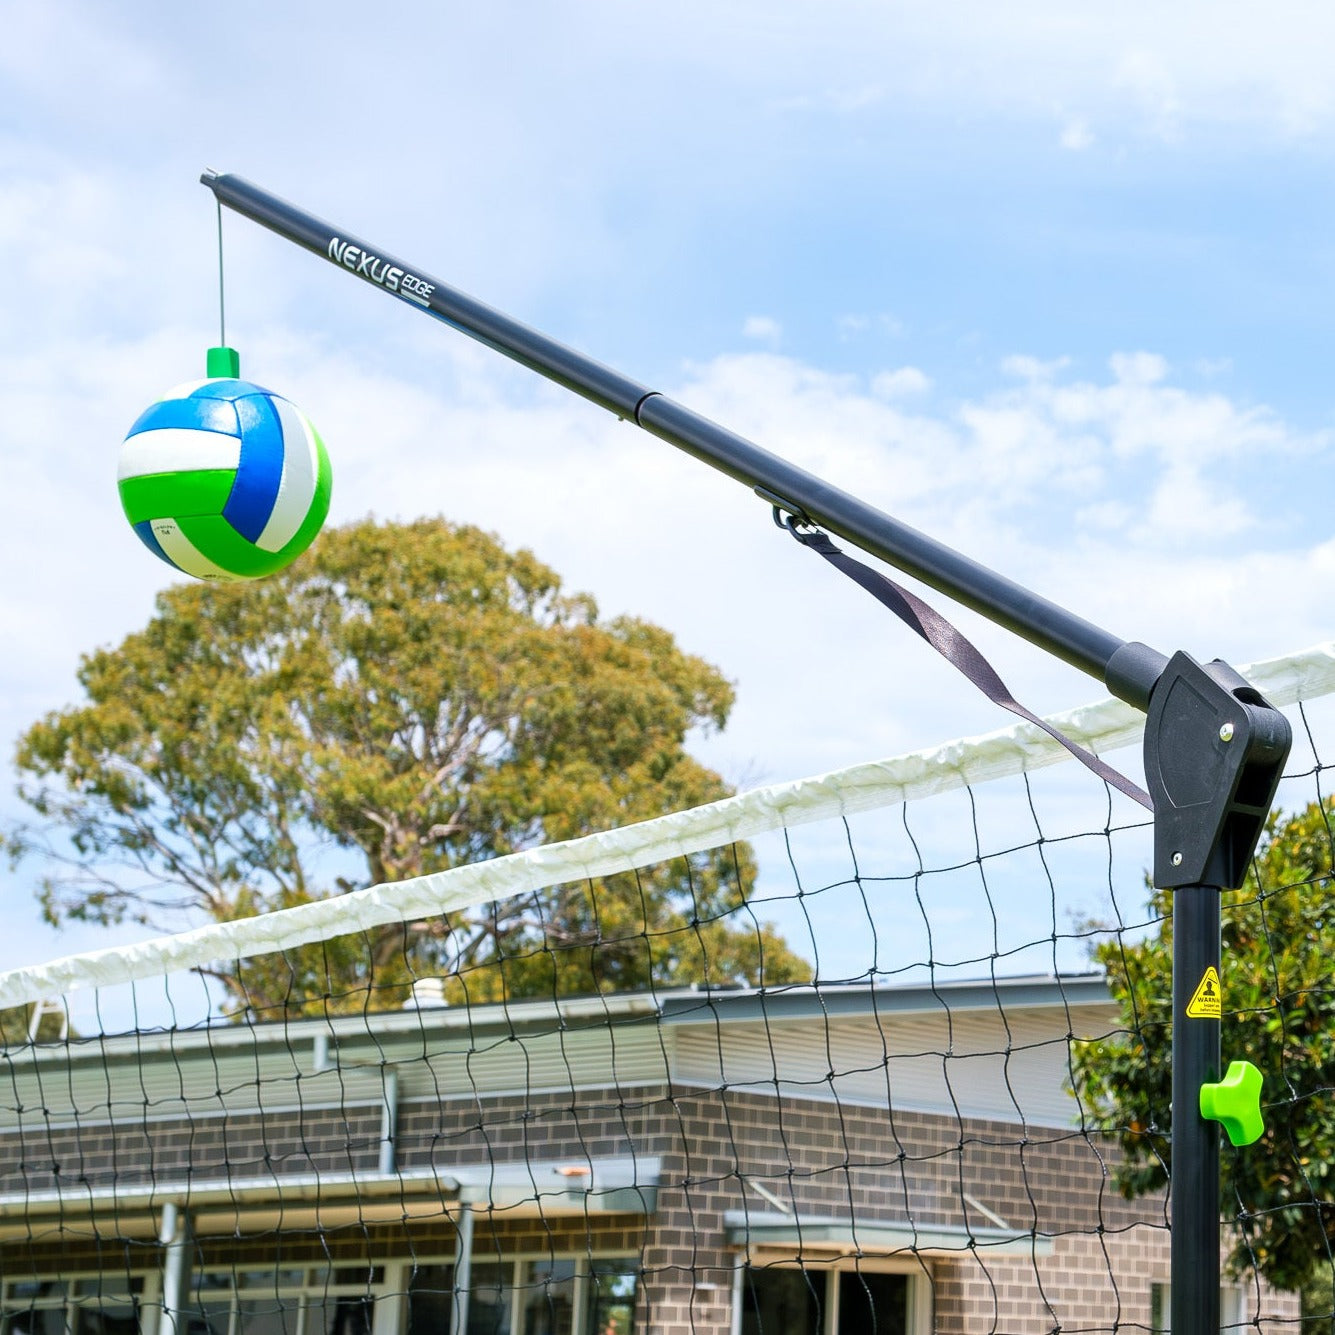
1214,749
1129,670
1194,1205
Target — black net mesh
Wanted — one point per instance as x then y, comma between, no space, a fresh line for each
903,1070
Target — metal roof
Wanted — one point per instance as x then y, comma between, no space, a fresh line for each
498,1020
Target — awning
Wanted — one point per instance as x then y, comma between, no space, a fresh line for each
814,1236
541,1189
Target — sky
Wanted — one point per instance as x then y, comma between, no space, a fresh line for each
1051,283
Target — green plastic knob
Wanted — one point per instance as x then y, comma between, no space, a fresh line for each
223,364
1235,1102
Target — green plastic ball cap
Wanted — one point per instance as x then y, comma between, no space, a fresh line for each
1235,1102
223,364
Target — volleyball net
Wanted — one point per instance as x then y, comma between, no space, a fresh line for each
883,1050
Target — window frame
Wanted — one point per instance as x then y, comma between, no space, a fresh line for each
580,1288
146,1301
1232,1306
920,1311
317,1280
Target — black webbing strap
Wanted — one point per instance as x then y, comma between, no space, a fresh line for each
954,648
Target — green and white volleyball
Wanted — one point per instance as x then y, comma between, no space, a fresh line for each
224,480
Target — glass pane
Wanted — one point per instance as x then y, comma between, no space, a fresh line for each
273,1280
430,1299
269,1316
783,1302
35,1321
20,1290
106,1319
36,1291
873,1304
489,1300
210,1316
612,1290
210,1310
547,1299
35,1307
347,1314
1230,1308
109,1286
357,1276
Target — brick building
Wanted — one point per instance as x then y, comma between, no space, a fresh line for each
848,1159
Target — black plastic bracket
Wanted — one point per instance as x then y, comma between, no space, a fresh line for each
1214,754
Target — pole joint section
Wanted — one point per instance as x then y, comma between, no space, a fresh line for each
1214,755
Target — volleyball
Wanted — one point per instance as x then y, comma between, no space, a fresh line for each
224,480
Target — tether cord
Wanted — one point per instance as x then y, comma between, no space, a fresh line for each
959,652
222,310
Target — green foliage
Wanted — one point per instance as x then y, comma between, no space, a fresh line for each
1279,1013
16,1026
1318,1303
403,699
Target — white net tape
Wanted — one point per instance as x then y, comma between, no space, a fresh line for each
1105,726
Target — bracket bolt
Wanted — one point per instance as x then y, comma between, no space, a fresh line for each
1226,733
1177,859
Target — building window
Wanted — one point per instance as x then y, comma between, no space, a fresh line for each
870,1300
612,1289
491,1299
783,1301
523,1296
529,1296
296,1301
91,1305
547,1298
787,1300
1230,1308
430,1299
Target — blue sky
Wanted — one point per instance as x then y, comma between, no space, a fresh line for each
1053,285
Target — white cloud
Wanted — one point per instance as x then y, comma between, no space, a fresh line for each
1142,67
1030,478
1001,473
1023,367
900,383
1146,77
77,41
854,325
1076,135
1033,478
1138,368
763,329
1177,516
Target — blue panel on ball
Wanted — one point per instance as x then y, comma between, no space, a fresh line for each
191,414
225,389
145,532
260,471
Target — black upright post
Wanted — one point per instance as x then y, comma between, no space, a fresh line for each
1194,1204
1214,753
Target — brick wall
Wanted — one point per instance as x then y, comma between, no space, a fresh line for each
71,1159
818,1158
1088,1283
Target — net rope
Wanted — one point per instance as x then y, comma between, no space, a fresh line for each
1108,725
883,1119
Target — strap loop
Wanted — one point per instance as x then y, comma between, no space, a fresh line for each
958,651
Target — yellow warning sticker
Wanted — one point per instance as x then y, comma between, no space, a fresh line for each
1206,1002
